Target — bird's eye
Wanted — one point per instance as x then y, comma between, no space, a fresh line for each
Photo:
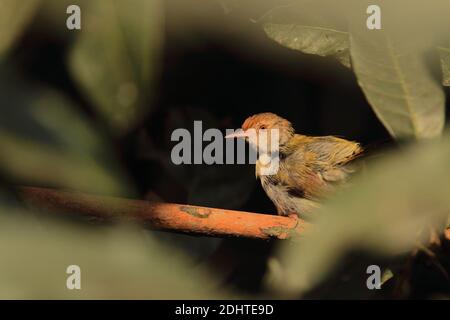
262,127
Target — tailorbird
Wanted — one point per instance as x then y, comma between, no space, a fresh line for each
309,167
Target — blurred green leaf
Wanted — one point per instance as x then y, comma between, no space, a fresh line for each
386,276
45,140
34,162
312,40
397,83
115,262
444,54
388,63
386,211
114,59
14,16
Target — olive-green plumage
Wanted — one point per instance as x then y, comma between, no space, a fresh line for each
309,167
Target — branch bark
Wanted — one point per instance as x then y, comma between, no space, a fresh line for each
166,216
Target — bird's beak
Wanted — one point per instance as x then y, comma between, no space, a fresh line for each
238,134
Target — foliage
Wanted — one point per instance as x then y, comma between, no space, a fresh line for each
445,63
14,17
55,133
114,57
116,263
389,64
47,140
312,40
388,210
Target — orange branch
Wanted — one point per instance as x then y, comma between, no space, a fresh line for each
166,216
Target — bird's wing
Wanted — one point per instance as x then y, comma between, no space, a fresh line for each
317,164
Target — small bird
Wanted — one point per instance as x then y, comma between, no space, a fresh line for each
309,167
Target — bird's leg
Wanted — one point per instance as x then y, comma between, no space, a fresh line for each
288,214
292,215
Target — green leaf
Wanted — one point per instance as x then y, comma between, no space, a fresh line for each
119,262
45,140
114,58
444,54
34,162
386,276
14,16
397,83
386,211
311,40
